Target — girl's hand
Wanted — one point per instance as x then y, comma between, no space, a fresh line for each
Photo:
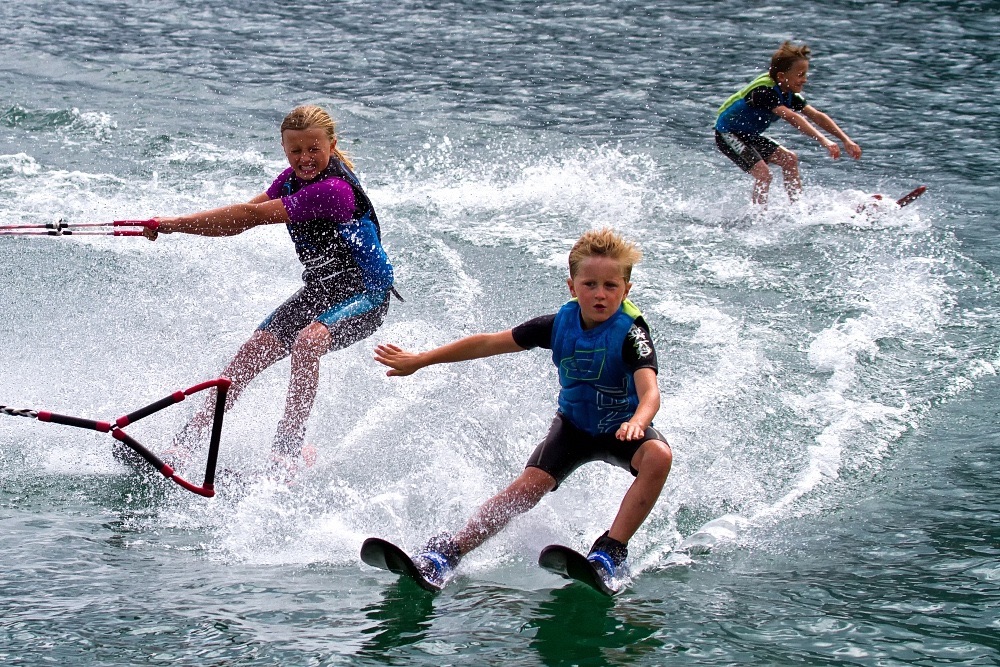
630,431
152,232
160,227
832,148
399,361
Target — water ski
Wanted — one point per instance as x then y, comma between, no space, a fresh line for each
906,199
387,556
909,197
574,565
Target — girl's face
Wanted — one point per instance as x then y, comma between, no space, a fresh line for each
308,151
795,78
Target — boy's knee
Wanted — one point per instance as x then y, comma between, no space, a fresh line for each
785,159
657,458
533,484
761,173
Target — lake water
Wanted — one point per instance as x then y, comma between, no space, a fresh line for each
829,380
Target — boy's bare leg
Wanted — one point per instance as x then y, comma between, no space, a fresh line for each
522,494
789,163
761,183
653,461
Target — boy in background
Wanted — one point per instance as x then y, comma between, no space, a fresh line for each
744,117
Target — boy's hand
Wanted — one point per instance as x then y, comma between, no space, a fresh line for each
630,431
852,149
832,148
397,359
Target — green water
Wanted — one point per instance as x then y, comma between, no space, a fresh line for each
829,382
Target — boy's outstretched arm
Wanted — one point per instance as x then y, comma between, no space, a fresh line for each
477,346
649,405
827,123
800,123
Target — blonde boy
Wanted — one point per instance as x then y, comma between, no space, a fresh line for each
607,366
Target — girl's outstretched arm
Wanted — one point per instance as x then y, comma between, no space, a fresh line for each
477,346
226,220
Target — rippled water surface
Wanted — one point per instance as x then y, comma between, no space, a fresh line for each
829,379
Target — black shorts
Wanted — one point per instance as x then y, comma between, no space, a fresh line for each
745,150
566,448
348,319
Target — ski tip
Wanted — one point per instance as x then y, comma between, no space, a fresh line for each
906,199
387,556
911,196
571,564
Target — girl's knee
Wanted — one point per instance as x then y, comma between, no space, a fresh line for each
314,340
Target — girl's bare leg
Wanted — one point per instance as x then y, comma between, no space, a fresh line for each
257,354
311,344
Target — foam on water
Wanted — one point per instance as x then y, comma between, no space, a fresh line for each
761,411
828,377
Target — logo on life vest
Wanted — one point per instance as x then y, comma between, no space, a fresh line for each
584,365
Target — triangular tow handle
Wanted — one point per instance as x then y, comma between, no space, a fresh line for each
207,488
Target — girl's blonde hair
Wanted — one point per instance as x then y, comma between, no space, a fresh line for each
308,116
604,242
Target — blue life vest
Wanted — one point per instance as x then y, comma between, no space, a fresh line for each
597,390
345,251
736,114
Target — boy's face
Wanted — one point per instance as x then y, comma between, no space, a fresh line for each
795,78
600,287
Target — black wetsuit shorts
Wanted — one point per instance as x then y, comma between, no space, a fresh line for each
745,150
566,448
348,318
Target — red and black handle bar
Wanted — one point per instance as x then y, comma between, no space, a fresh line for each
61,228
207,488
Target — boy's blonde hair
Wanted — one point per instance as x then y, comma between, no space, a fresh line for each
308,116
786,56
604,242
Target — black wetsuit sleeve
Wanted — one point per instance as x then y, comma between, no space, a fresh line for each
535,332
764,97
638,351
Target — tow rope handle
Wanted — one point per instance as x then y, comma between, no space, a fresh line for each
115,428
62,228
